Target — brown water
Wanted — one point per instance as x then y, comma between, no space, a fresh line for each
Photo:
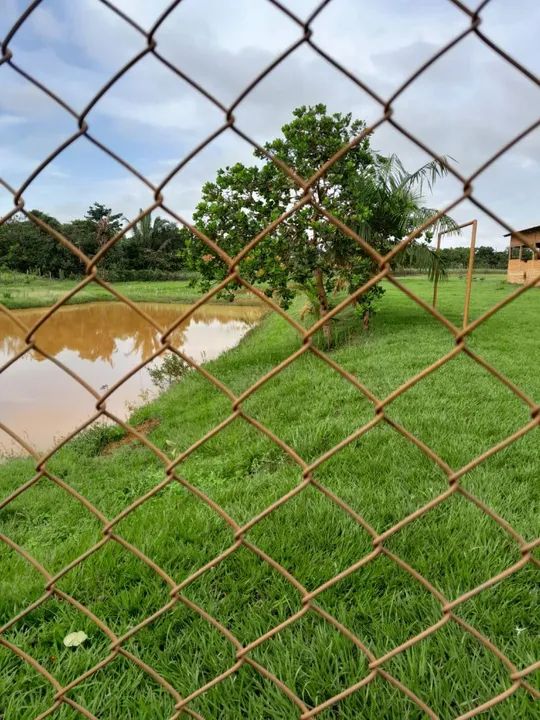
101,342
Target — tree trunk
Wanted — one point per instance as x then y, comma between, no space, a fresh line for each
366,319
324,307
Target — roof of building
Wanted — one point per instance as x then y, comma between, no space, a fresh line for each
535,228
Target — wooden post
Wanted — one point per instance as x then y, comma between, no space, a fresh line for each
436,278
469,274
470,268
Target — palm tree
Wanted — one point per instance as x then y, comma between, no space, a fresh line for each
151,236
402,193
395,198
149,239
421,256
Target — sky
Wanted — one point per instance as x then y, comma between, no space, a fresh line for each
465,106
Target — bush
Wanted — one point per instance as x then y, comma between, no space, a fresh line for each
170,371
92,441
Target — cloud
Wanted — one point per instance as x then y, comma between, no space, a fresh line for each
6,120
46,25
466,105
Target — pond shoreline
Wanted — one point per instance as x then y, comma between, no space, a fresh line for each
101,348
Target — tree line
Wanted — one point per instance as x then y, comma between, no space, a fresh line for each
485,257
153,250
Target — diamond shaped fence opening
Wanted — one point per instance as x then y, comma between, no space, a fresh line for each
211,679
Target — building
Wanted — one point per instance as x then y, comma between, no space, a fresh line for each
522,263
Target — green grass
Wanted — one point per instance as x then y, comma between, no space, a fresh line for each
459,411
18,290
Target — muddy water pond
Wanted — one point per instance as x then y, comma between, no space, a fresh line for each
101,342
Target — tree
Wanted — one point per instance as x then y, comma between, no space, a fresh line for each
90,233
154,244
420,256
487,257
103,224
97,212
82,234
26,247
455,257
372,194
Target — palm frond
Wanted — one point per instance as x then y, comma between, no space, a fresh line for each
438,269
445,223
427,174
424,258
143,229
392,173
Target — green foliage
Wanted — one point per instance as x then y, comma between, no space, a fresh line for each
25,246
97,213
157,245
96,438
421,257
372,194
487,257
172,369
153,250
98,226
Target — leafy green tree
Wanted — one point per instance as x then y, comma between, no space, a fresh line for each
97,212
103,224
26,247
372,194
487,257
82,233
420,256
457,257
154,247
93,231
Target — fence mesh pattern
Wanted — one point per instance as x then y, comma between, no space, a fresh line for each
518,678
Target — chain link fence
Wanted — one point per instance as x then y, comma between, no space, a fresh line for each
518,678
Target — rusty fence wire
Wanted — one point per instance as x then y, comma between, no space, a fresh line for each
518,678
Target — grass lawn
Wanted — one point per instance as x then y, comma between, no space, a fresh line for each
459,411
18,290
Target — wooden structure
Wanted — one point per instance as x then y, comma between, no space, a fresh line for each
474,226
523,264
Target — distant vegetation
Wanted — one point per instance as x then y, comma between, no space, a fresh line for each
485,258
152,251
372,194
